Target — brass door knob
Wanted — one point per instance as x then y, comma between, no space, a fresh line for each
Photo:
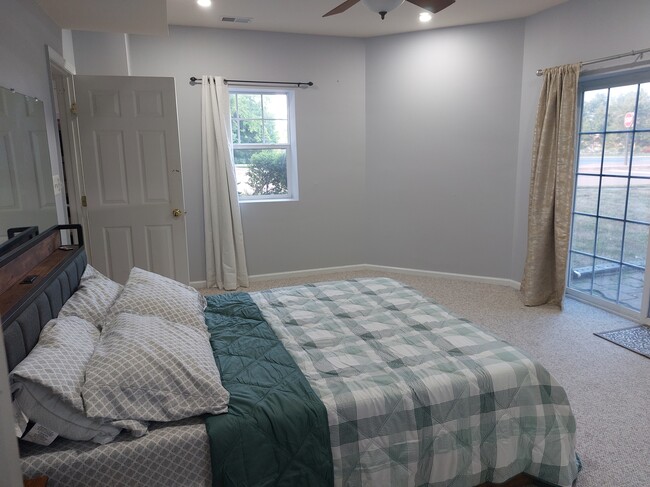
176,212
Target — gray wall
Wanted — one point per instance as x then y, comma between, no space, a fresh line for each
101,53
442,131
24,33
324,228
413,150
578,30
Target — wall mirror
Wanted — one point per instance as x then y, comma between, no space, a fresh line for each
26,187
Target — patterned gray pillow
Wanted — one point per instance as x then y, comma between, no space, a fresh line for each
152,369
146,293
47,383
93,299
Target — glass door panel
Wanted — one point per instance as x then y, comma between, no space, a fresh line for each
611,215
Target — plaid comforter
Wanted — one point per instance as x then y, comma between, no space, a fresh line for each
416,396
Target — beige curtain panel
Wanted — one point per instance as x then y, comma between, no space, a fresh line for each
551,188
225,255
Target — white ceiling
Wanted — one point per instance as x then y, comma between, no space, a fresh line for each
297,16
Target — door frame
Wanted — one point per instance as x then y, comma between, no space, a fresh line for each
62,91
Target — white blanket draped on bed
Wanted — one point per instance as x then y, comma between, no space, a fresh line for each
416,396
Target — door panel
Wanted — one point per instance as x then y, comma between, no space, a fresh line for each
26,190
117,244
132,175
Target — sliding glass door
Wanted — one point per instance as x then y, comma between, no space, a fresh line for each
611,217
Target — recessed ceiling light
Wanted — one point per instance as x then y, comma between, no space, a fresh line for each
204,3
425,17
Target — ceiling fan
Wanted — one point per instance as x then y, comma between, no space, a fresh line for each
382,7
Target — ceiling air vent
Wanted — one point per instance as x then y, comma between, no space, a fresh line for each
238,20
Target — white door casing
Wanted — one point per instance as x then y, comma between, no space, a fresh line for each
130,153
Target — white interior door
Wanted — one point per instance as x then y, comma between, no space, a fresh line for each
26,191
128,132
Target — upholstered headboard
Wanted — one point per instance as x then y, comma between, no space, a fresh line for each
41,300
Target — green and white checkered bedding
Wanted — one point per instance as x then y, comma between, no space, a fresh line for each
416,396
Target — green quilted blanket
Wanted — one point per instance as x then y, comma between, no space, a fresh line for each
275,431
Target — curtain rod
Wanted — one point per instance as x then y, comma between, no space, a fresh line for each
197,81
540,72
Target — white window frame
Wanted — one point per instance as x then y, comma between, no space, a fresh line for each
289,147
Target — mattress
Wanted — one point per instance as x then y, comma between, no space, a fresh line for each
171,454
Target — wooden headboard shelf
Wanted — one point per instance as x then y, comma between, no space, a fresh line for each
41,258
16,269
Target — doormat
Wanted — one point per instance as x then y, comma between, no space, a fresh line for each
636,338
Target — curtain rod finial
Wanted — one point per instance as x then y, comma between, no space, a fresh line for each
540,72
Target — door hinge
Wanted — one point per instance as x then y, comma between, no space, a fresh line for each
73,108
84,201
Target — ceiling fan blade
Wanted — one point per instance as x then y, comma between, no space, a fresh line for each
342,8
434,6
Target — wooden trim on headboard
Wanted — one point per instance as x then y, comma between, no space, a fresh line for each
14,270
28,270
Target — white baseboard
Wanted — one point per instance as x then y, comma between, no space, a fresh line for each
307,272
377,268
447,275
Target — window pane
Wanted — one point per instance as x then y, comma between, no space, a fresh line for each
250,132
235,132
593,111
275,106
641,156
249,106
233,105
643,111
275,131
261,171
606,280
586,198
242,157
622,100
584,233
610,239
591,150
581,270
631,287
636,243
613,195
638,207
617,154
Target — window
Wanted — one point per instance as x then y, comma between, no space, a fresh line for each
263,144
611,216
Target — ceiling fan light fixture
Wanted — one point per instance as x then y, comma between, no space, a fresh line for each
425,17
382,7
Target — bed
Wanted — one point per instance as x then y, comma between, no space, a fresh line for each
359,382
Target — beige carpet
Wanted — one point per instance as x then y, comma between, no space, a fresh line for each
608,386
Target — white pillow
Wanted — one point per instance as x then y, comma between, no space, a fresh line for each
47,383
146,293
92,300
151,369
44,408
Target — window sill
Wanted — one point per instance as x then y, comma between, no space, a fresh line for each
268,200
